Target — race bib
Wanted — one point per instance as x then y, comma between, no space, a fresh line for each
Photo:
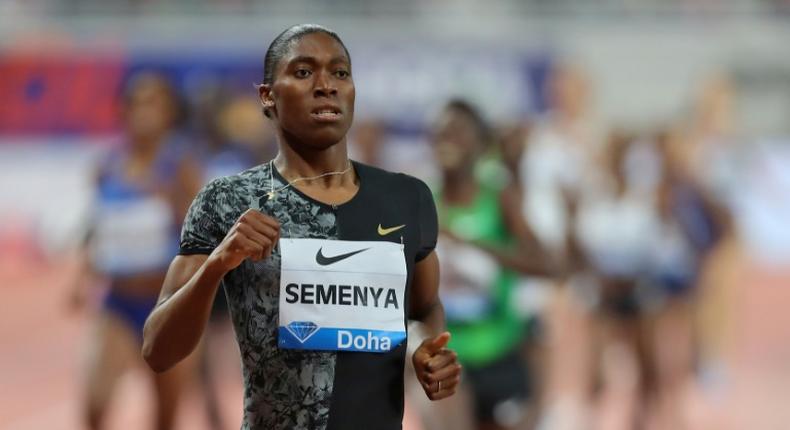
338,295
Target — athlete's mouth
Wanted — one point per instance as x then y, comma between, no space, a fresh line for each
326,113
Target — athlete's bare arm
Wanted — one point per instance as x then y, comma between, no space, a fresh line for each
436,366
424,303
177,322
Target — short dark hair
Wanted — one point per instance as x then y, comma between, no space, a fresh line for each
282,43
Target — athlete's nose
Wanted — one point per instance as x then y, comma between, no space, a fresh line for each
324,86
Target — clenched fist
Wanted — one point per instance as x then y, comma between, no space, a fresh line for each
252,236
437,367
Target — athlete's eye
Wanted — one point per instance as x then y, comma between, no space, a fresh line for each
302,73
342,74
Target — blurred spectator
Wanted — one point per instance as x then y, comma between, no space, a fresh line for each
143,189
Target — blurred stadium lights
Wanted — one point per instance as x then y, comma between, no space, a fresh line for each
406,8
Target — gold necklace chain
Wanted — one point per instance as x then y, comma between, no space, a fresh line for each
274,191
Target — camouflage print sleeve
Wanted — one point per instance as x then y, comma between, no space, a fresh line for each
203,227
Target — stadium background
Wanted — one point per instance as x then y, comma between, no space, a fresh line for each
62,64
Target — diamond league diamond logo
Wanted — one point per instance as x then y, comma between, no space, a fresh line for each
302,330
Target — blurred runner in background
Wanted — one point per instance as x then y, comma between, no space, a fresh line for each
484,242
144,187
558,168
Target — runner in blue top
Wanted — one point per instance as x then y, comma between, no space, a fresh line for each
143,189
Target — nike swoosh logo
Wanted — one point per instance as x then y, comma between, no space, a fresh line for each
386,231
323,260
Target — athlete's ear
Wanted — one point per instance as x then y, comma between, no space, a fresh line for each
267,99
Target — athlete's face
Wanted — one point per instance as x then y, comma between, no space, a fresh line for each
149,109
455,141
312,97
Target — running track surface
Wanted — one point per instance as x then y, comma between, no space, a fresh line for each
42,341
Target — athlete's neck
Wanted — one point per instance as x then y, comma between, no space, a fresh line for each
293,163
142,154
145,147
458,188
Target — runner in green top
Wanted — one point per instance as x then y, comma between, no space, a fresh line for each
495,329
484,242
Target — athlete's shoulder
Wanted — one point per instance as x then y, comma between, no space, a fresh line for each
385,178
239,182
253,174
233,190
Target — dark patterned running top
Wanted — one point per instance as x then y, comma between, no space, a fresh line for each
295,389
